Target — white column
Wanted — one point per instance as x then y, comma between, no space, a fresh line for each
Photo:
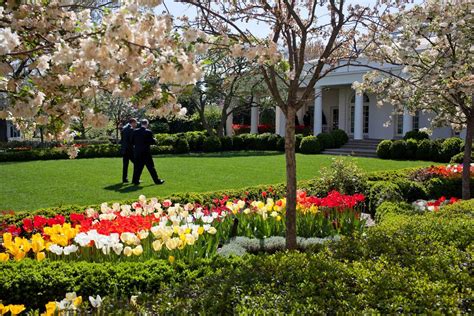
342,108
280,122
228,125
407,122
359,116
254,120
318,111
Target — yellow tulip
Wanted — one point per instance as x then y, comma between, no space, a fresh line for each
157,245
181,244
40,256
278,218
77,301
20,255
7,239
200,230
16,309
50,308
171,259
4,257
138,250
37,243
127,251
190,239
212,230
3,309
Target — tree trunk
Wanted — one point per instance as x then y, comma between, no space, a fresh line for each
466,171
290,179
222,124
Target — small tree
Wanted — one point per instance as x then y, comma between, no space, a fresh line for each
297,29
433,43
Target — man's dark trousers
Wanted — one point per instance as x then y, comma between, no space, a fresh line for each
142,139
126,148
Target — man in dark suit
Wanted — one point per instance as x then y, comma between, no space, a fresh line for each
142,139
126,147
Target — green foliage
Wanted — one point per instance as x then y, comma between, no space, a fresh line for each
398,149
310,145
423,151
412,147
410,190
384,149
340,137
416,135
450,147
227,143
181,145
298,139
326,140
383,191
344,176
459,158
211,144
238,142
436,147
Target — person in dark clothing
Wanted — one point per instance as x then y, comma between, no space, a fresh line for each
142,139
126,147
307,119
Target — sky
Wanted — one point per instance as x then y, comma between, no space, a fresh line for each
177,8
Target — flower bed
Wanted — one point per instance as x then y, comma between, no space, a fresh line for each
433,205
148,228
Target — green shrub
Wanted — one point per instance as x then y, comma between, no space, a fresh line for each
410,190
340,137
195,140
326,140
249,141
398,149
416,135
280,143
435,153
384,149
388,207
211,144
227,143
344,176
181,146
412,147
423,152
459,158
310,145
382,191
266,141
237,142
450,147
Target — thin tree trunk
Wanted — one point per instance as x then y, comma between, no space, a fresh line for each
466,172
290,179
223,123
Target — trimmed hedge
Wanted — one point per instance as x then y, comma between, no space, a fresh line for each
438,150
310,145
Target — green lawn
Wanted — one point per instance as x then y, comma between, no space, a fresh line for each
35,184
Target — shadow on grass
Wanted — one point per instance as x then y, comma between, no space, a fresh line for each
225,154
124,187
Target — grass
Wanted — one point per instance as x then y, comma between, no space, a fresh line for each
37,184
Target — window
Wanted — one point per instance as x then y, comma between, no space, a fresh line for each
335,118
416,121
365,113
399,118
12,131
365,116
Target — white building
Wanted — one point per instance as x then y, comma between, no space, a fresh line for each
336,105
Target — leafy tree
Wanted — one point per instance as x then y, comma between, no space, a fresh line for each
433,43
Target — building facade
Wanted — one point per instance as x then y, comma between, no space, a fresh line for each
336,105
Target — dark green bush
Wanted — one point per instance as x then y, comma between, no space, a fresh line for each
423,152
416,135
237,142
250,141
266,141
435,153
280,143
410,190
211,144
227,143
195,140
384,149
310,145
398,149
382,191
298,139
181,146
412,147
340,137
326,140
450,147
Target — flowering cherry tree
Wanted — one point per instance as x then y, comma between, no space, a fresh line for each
53,54
433,43
296,31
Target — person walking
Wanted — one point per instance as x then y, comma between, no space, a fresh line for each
142,139
126,147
